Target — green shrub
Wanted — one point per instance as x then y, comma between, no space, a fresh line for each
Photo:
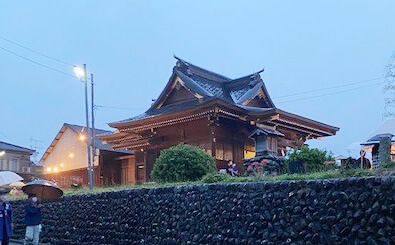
182,163
216,177
314,158
355,172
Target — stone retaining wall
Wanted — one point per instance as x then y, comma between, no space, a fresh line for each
345,211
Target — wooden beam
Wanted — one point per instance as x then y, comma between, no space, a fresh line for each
169,122
323,133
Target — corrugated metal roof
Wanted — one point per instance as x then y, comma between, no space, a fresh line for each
98,142
388,128
80,129
11,147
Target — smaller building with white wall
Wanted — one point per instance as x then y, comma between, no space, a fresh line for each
65,161
17,159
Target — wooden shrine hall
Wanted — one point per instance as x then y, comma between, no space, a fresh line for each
215,113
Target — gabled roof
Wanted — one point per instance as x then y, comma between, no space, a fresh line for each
80,129
385,130
340,157
204,85
265,131
4,146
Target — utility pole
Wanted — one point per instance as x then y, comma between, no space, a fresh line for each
88,146
93,130
33,146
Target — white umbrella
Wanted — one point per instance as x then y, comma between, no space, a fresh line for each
8,177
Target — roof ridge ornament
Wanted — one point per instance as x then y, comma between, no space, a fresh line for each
260,71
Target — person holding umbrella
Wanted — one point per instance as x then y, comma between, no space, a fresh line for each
5,218
33,219
43,189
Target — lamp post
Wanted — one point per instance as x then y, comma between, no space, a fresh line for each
82,75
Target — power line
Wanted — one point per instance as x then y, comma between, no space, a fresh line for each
322,95
33,51
38,63
119,108
127,108
5,136
280,102
328,88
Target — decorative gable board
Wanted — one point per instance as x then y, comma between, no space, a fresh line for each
258,98
179,93
258,102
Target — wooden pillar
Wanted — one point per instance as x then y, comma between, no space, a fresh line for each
213,122
140,166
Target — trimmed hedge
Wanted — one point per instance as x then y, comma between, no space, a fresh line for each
182,163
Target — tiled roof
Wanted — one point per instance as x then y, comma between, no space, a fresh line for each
265,131
4,146
176,107
211,86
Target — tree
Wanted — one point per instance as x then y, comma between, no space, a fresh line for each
313,158
182,163
389,87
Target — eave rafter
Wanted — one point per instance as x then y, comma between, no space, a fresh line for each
131,144
306,129
123,138
279,120
168,122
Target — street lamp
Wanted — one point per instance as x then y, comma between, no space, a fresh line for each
82,75
2,153
79,72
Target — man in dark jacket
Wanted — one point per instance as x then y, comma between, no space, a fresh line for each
5,218
33,218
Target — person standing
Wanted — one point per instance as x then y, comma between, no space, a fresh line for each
5,218
33,219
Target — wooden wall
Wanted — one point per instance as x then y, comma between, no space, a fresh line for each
128,171
76,176
225,140
230,140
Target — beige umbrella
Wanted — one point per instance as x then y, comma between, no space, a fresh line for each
18,184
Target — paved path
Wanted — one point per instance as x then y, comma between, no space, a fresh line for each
21,243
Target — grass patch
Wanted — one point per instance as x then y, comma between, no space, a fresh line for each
216,177
97,190
222,178
388,165
330,174
85,190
